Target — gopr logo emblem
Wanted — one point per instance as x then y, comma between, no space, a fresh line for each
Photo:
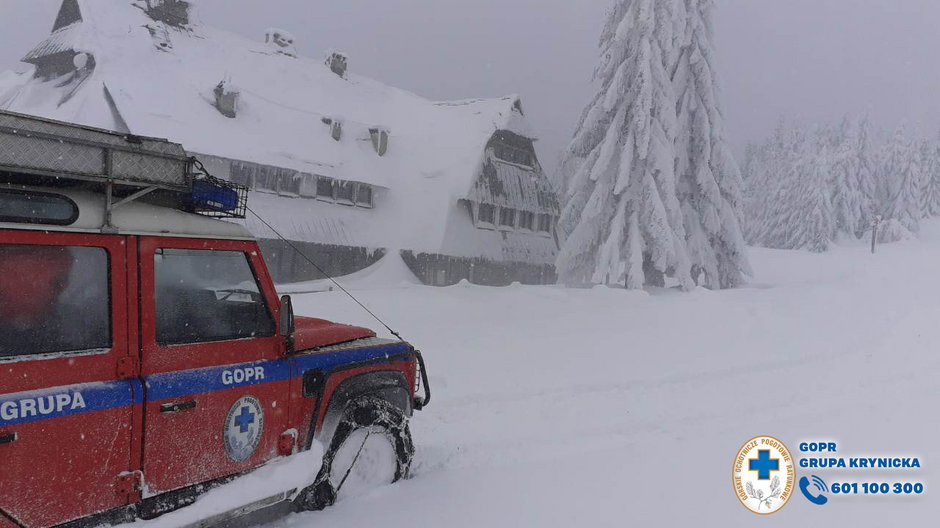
763,474
244,425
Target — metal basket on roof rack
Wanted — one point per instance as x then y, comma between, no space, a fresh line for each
214,197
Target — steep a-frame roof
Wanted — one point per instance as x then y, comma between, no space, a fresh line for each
156,79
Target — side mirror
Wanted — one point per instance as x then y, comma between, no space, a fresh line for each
287,322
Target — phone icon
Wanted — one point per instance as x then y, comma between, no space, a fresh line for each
820,485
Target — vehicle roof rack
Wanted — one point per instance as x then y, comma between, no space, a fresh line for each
42,147
36,147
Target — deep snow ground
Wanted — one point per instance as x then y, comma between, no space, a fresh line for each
559,407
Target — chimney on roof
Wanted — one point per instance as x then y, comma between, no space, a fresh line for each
336,127
172,12
226,99
379,136
280,41
338,62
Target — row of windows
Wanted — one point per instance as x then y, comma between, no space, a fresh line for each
508,218
514,155
291,183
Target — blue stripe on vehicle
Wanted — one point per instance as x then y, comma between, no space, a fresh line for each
48,404
137,389
199,381
329,361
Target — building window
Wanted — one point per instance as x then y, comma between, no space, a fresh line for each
346,192
324,188
242,174
545,223
486,214
364,195
513,155
527,220
290,183
308,185
266,179
507,217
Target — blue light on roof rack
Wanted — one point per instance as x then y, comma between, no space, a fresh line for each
216,198
212,197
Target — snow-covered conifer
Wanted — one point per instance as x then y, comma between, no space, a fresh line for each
792,206
709,181
901,176
930,179
622,215
866,163
626,220
812,219
847,196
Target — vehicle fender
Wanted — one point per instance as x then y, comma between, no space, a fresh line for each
388,385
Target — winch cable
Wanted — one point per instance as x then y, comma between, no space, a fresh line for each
325,274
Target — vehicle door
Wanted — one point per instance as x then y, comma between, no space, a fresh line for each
66,415
217,387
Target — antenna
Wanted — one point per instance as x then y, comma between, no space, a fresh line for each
324,273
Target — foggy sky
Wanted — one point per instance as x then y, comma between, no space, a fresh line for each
812,60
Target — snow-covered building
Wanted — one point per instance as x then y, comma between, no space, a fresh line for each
346,167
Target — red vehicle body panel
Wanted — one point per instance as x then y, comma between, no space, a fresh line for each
313,333
68,463
180,448
66,466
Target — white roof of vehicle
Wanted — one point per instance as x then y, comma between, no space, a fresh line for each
137,218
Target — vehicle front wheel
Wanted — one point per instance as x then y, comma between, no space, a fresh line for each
371,447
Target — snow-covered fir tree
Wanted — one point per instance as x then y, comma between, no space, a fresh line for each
765,176
626,220
848,200
812,222
930,179
867,162
901,174
709,181
788,191
622,211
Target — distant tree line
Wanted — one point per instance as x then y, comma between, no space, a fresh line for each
807,189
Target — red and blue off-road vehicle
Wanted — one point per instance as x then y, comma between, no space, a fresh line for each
145,356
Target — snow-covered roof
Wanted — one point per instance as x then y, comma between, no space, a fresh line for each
10,80
435,152
283,101
62,40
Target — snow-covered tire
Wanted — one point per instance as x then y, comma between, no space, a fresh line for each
366,421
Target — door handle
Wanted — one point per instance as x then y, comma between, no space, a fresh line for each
176,407
8,438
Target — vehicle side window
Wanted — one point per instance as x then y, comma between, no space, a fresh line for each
205,295
53,299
